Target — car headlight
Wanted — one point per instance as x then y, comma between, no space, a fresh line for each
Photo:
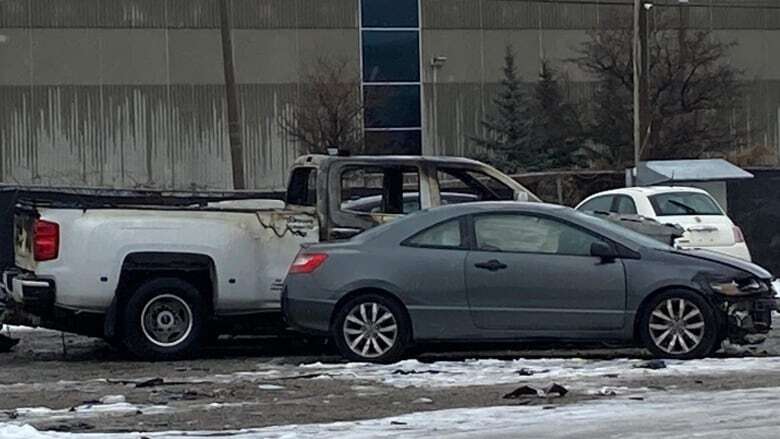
742,287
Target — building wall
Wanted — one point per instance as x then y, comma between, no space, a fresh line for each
129,93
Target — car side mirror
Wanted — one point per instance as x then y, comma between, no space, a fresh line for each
521,196
603,251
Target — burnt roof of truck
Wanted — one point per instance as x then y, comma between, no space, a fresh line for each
320,159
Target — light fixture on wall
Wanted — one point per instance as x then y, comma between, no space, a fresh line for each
437,62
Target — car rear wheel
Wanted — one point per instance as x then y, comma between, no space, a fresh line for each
679,324
371,328
164,320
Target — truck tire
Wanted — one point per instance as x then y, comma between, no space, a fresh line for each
164,319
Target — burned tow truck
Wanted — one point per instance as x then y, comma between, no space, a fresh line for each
159,278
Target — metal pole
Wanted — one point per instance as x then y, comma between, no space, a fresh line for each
644,81
636,65
435,110
234,123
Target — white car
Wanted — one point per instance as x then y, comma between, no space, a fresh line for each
705,223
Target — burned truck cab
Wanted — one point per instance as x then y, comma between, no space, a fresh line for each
353,194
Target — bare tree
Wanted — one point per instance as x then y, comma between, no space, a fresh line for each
328,110
692,91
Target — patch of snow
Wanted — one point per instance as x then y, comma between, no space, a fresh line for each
25,414
112,399
269,387
776,285
14,328
726,414
423,401
412,373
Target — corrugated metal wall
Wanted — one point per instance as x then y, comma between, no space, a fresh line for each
128,93
473,35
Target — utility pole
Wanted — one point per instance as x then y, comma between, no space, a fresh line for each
234,123
641,80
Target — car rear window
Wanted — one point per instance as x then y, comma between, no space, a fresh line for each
684,203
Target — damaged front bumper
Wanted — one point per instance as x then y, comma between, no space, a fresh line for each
749,319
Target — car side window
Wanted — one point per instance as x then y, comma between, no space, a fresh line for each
598,204
444,235
625,205
530,234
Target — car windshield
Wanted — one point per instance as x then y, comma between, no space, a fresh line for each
638,238
684,203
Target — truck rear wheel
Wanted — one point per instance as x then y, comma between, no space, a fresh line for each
164,320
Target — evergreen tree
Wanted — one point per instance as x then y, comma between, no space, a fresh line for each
530,132
506,129
554,131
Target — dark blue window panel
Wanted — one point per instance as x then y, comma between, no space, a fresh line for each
391,56
394,142
392,106
390,13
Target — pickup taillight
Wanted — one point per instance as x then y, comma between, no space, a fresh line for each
46,240
307,262
738,236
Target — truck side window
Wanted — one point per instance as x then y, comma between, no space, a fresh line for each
455,182
303,187
387,190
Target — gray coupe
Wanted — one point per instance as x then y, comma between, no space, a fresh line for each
510,271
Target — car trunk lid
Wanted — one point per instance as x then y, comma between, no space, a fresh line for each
704,230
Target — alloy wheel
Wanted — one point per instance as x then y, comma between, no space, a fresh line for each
677,326
370,330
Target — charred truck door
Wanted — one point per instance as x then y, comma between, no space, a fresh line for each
364,195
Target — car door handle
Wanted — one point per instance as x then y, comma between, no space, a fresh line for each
492,265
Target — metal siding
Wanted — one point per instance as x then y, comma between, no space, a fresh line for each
14,13
152,115
140,136
529,14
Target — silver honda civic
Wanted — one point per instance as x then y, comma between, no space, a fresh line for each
510,271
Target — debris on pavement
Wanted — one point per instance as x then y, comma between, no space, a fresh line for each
153,382
521,391
652,365
529,372
7,343
556,388
415,372
423,401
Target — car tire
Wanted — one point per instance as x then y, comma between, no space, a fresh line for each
164,319
684,315
384,319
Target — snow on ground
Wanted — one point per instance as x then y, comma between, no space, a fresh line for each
743,413
488,372
28,414
10,329
586,373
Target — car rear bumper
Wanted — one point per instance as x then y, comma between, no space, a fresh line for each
307,316
33,294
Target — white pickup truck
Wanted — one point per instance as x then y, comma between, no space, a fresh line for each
159,280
